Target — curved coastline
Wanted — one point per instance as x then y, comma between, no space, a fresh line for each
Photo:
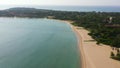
80,45
80,48
91,54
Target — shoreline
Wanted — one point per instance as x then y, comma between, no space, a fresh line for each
79,40
80,48
91,54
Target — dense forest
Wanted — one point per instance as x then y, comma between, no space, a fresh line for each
104,27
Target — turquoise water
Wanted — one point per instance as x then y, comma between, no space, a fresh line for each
37,43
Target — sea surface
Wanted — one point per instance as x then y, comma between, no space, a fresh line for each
37,43
69,8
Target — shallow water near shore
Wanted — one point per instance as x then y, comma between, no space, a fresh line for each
37,43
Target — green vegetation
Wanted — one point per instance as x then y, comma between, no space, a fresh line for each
104,27
117,56
112,54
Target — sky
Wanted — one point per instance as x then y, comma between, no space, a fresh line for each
62,2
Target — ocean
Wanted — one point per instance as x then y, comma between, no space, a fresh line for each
37,43
70,8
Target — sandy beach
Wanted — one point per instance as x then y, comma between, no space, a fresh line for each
93,55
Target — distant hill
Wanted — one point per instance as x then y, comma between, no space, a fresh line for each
24,12
21,8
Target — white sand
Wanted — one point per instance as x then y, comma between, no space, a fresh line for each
96,56
93,55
